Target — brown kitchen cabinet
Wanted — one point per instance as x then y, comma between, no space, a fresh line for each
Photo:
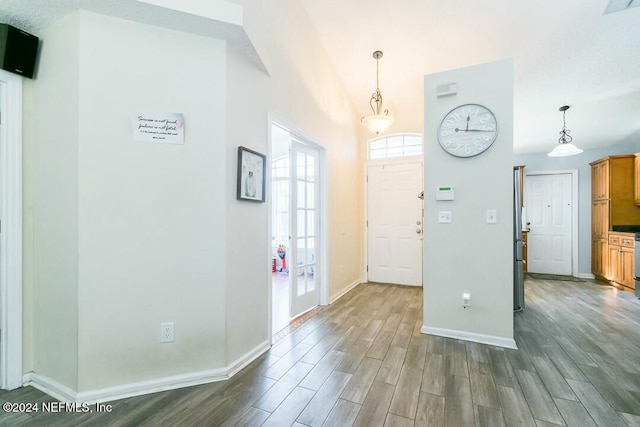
600,219
600,257
621,259
628,268
600,179
613,202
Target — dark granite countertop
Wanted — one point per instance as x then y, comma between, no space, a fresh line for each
626,228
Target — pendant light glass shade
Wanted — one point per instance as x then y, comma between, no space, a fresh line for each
379,121
565,147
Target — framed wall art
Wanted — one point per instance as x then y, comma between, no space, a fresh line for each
251,175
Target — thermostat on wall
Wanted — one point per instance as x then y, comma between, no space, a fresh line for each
444,193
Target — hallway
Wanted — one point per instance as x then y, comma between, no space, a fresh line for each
363,361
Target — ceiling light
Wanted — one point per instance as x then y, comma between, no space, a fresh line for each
565,147
379,121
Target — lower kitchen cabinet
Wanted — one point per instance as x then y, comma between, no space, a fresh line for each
600,258
627,268
621,259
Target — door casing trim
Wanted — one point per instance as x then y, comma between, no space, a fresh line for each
274,119
11,231
574,211
380,162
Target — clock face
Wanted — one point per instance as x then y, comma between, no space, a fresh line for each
467,130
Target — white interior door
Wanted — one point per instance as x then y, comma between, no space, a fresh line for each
305,236
394,231
549,214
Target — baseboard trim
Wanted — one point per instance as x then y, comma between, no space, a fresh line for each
152,386
470,336
344,291
65,394
51,387
247,358
586,276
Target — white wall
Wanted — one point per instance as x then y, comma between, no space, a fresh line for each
147,233
469,255
151,242
126,234
304,92
51,206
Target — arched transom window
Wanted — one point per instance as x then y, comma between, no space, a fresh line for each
401,145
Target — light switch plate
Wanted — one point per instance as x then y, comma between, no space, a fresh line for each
445,217
492,216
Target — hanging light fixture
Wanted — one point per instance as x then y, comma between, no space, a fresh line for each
565,147
379,121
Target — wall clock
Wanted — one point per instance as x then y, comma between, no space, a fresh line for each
467,130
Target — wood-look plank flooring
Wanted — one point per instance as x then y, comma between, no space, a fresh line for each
364,362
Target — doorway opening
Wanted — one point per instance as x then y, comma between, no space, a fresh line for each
297,233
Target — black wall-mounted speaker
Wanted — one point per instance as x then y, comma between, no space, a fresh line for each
18,50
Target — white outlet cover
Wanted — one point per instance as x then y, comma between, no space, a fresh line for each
167,332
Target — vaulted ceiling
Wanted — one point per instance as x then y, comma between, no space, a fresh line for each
564,53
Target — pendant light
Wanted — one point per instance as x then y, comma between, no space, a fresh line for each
379,121
565,147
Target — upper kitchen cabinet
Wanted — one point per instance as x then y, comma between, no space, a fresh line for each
600,180
612,179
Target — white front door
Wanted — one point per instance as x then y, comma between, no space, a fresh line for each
549,217
305,199
394,231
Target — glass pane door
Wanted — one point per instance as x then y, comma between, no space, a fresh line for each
304,228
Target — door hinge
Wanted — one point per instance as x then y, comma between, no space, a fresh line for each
367,268
367,223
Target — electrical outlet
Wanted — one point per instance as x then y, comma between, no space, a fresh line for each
167,332
466,300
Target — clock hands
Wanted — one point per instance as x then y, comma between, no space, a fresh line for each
472,130
466,129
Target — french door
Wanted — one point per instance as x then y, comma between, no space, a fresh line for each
305,213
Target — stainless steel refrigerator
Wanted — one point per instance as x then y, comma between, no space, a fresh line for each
518,265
